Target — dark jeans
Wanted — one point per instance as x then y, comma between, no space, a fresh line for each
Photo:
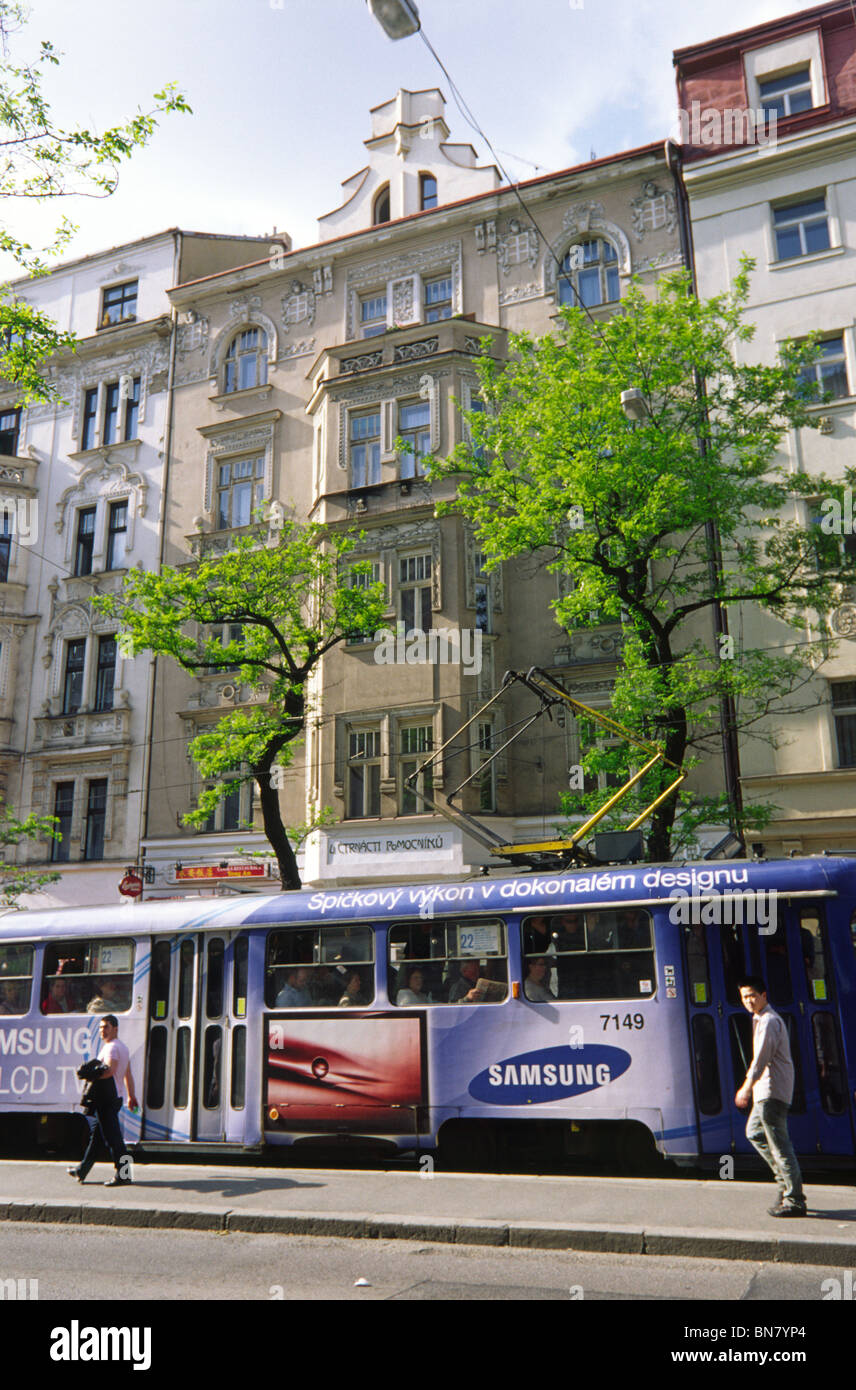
105,1122
767,1132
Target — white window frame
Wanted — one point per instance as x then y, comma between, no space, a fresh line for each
800,222
788,55
373,757
260,352
256,478
602,265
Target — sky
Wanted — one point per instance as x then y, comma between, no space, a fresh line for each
281,91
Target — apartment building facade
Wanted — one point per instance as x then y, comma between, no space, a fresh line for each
82,486
787,198
316,381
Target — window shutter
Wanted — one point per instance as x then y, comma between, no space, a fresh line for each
339,752
387,431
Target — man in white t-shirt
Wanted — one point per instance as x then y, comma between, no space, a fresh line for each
116,1058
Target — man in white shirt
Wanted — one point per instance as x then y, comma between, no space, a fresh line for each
116,1058
769,1085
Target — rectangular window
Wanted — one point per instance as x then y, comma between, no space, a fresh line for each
414,583
801,228
132,410
363,774
119,304
310,967
106,673
10,422
90,415
226,635
482,594
110,433
787,95
7,528
117,530
828,377
487,781
416,744
63,808
94,977
365,448
844,713
364,581
72,690
16,979
96,816
235,811
85,541
598,954
372,315
414,428
448,961
239,492
438,299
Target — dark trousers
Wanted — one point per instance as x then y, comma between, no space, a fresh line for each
104,1124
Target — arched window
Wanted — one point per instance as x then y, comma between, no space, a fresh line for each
427,191
381,207
245,364
591,268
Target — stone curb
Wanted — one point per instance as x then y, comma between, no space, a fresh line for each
612,1239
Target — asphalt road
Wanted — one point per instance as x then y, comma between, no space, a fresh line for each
91,1264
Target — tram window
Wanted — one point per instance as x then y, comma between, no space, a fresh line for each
16,979
240,976
185,978
828,1057
698,968
214,978
706,1065
239,1068
604,954
211,1067
778,970
159,1002
156,1069
740,1036
811,950
798,1101
308,967
733,966
181,1089
94,977
448,961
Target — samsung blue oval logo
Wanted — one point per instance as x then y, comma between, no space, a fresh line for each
551,1074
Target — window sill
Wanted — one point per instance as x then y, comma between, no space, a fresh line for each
807,260
102,451
120,323
247,394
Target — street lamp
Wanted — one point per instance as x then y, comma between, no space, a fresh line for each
398,18
634,405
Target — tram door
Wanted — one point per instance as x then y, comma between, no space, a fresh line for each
196,1057
792,959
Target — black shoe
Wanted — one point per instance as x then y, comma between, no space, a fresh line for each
75,1173
119,1182
789,1209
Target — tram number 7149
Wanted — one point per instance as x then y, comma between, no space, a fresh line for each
628,1021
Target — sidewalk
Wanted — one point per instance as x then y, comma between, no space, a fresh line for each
635,1216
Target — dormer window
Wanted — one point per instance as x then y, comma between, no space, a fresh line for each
380,212
427,191
245,364
787,95
118,304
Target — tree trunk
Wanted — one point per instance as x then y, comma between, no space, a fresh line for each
271,817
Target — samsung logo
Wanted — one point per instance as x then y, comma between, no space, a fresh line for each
552,1073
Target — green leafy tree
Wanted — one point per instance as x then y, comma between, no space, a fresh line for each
42,159
622,512
15,880
294,600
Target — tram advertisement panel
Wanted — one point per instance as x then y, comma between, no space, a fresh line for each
330,1073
